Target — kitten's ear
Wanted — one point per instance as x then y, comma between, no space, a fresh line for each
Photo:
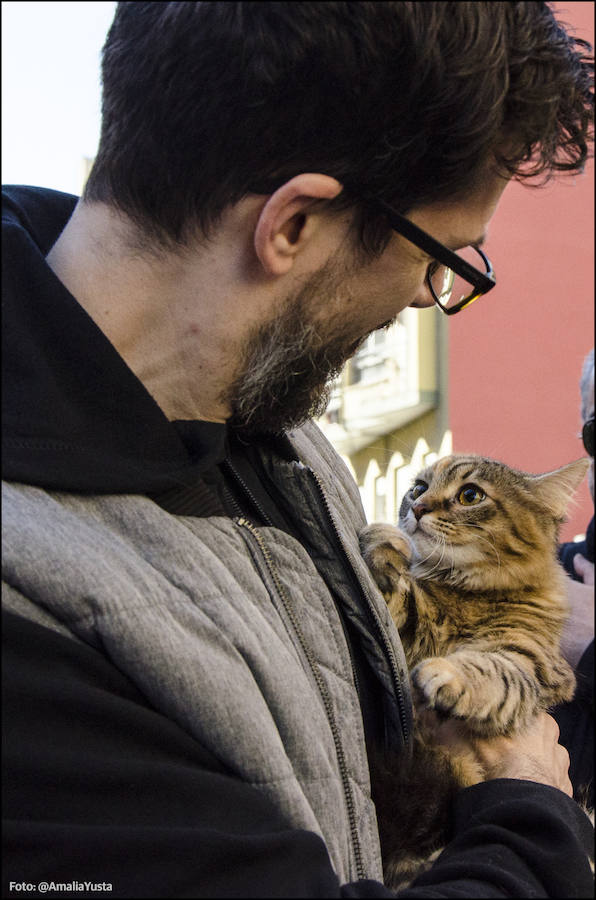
556,489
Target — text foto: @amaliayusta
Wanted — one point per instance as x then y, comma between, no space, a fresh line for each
47,887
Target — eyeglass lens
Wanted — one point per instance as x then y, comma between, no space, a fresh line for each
450,288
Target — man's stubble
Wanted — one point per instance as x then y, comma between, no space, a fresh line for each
288,365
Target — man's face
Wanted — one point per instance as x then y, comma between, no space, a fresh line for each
289,362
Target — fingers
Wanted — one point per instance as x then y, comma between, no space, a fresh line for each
551,726
532,755
578,630
565,782
584,568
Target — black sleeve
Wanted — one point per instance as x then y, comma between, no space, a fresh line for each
566,553
568,550
513,839
101,788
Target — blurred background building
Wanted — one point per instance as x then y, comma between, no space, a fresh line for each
388,414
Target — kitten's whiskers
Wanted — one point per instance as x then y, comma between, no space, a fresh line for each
487,540
439,538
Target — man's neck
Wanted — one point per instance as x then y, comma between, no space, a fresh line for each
157,309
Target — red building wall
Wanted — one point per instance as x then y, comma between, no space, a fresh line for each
515,356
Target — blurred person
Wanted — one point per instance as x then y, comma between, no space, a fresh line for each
576,719
577,555
197,661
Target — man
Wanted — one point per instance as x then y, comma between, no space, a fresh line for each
198,662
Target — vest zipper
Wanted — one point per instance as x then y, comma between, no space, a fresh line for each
267,521
325,696
227,465
378,624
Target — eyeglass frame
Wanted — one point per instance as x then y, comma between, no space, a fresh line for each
483,282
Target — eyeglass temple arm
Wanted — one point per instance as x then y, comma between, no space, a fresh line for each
399,223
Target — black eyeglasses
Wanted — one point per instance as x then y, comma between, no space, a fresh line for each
588,436
454,279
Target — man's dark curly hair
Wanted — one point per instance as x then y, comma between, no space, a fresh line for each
204,103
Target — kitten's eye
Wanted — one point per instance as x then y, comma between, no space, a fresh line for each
419,488
470,495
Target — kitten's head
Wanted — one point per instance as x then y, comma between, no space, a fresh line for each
477,523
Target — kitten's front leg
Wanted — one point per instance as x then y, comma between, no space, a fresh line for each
495,692
387,552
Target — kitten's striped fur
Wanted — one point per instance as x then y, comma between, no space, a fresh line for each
478,596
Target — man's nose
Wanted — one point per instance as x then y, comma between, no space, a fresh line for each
423,299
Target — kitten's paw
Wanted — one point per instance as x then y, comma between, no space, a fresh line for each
439,685
387,553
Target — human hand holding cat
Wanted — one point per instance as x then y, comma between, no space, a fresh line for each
533,754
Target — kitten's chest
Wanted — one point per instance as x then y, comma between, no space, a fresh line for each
447,621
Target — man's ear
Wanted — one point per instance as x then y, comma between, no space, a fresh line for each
284,226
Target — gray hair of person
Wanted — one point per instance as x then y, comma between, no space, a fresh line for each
586,386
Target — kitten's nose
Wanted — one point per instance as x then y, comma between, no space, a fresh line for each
419,509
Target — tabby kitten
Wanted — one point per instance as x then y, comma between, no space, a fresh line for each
472,581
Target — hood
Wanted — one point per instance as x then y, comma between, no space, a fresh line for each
75,417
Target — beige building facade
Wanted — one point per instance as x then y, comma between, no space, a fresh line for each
388,413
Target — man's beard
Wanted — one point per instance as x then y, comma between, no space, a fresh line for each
288,364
